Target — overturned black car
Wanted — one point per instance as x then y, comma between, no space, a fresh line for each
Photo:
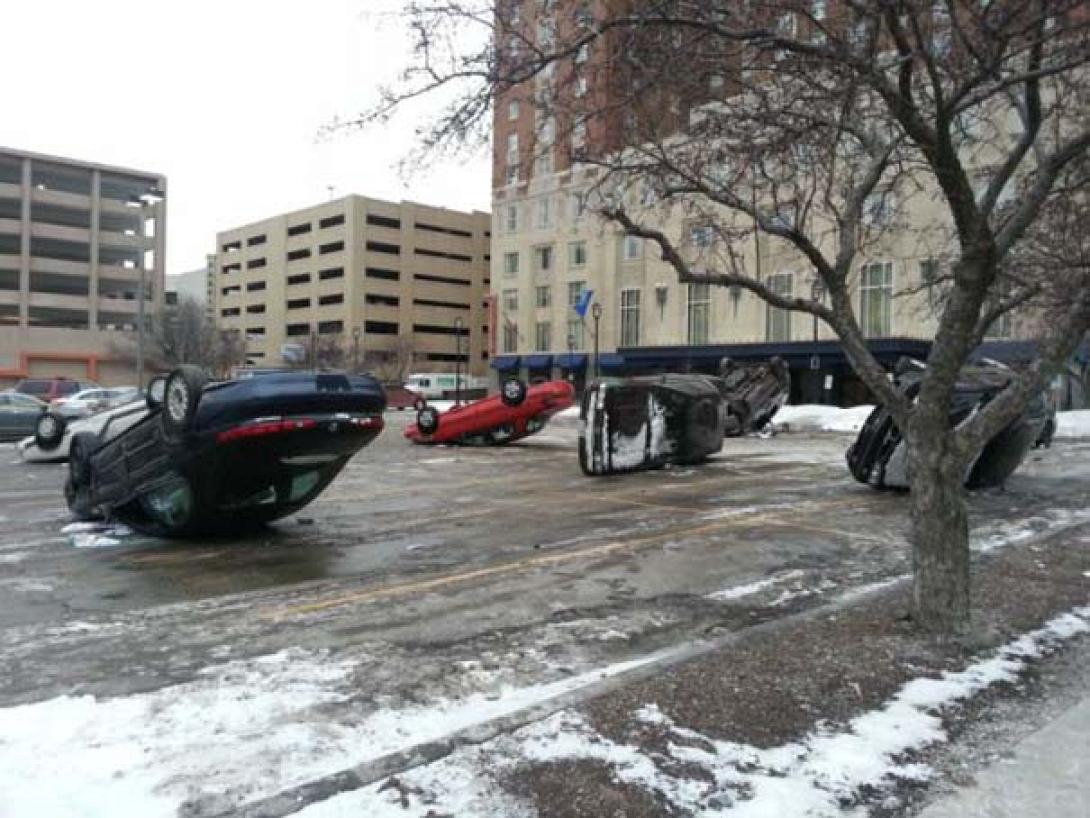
879,456
645,422
220,457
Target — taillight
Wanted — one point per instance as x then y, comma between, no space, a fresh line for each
263,428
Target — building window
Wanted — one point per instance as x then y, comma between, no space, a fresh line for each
575,292
577,254
299,229
579,133
297,329
701,235
543,258
302,278
778,321
330,327
295,255
254,241
513,110
543,164
633,248
575,333
1001,326
333,298
510,336
876,299
511,218
700,306
543,296
510,264
254,286
255,263
630,318
256,309
512,149
298,303
544,213
511,175
576,211
510,300
543,336
332,247
330,272
331,221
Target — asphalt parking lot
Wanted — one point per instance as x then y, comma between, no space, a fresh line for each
443,572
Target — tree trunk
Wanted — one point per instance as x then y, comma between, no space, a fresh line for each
939,532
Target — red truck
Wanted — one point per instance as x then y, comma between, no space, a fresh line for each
517,411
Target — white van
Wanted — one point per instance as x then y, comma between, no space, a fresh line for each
437,385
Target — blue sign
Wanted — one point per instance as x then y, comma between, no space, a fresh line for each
584,302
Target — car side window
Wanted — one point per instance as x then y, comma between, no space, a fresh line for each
67,388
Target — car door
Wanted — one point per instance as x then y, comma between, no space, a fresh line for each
6,422
24,415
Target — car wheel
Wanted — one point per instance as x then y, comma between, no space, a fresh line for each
77,490
535,424
512,392
427,420
180,399
79,500
502,434
157,388
419,404
49,431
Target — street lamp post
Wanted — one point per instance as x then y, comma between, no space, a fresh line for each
571,354
458,324
596,311
355,349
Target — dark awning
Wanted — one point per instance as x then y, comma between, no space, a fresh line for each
574,360
505,363
539,361
797,354
610,360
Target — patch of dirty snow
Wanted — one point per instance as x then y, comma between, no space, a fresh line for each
813,417
813,777
435,461
739,591
1001,535
95,535
240,731
1073,424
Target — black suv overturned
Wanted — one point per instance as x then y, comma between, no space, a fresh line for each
879,456
219,457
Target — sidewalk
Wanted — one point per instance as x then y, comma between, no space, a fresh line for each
1048,775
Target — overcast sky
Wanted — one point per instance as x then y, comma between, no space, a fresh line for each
224,97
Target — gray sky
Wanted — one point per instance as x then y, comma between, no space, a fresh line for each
224,97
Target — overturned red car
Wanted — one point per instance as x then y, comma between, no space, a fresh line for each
516,412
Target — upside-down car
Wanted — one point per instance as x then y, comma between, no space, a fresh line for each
212,457
517,411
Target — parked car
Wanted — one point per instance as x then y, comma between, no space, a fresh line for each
52,389
517,411
398,397
89,401
200,457
19,414
879,456
445,385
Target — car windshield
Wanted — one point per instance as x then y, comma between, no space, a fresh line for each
33,387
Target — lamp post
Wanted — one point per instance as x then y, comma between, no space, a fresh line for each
596,311
355,349
314,350
571,355
458,324
145,201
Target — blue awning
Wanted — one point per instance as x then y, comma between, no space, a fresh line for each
610,360
505,363
539,361
574,360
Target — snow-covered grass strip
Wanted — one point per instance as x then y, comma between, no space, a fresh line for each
751,588
813,417
816,776
1073,424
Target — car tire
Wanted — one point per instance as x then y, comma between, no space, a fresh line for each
155,392
512,392
427,420
180,399
419,404
49,431
77,489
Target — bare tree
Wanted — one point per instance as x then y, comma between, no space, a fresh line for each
828,130
184,334
391,365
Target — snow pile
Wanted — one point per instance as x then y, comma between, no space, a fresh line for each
812,417
1073,424
816,776
95,535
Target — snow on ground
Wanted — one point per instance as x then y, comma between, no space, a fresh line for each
812,417
1073,424
95,535
812,777
243,730
751,588
1000,535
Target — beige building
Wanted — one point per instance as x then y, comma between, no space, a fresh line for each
78,241
378,280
